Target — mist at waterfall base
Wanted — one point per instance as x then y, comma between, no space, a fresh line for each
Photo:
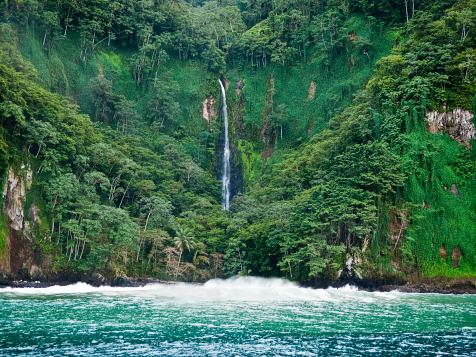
226,171
240,316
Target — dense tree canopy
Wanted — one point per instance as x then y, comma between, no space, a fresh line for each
130,187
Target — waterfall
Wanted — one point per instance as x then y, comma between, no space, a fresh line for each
226,174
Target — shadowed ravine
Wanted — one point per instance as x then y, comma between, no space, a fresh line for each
240,316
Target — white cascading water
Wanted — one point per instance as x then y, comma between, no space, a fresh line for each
226,174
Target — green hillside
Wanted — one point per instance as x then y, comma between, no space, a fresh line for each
338,170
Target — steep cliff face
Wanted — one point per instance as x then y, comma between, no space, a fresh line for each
208,110
457,123
20,258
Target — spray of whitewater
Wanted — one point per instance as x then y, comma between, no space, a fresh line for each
226,174
232,289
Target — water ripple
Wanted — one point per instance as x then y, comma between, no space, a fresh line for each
245,317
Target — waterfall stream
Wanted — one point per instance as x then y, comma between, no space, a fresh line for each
226,174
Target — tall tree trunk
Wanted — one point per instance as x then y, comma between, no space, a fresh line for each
76,249
140,246
82,250
178,263
70,249
147,220
141,239
124,194
59,234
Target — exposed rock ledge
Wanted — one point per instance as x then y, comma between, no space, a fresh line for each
14,197
441,286
208,110
18,260
414,284
457,123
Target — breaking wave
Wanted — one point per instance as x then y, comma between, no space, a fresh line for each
232,289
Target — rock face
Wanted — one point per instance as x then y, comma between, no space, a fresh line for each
311,91
208,110
456,257
19,260
34,214
457,123
240,84
349,273
454,190
14,194
443,254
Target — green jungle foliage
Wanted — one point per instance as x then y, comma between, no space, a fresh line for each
327,104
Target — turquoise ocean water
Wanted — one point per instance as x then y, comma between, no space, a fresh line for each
235,317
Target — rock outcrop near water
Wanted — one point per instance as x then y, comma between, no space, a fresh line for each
18,259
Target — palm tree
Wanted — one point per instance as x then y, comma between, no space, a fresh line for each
183,241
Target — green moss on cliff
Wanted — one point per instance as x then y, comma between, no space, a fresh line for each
3,235
443,192
3,219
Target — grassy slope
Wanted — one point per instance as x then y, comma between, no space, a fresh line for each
437,217
61,70
447,220
335,84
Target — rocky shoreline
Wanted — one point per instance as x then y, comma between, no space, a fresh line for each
451,287
438,286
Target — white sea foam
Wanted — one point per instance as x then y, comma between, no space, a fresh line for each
77,288
232,289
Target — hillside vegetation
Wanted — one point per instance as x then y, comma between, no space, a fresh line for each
351,133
